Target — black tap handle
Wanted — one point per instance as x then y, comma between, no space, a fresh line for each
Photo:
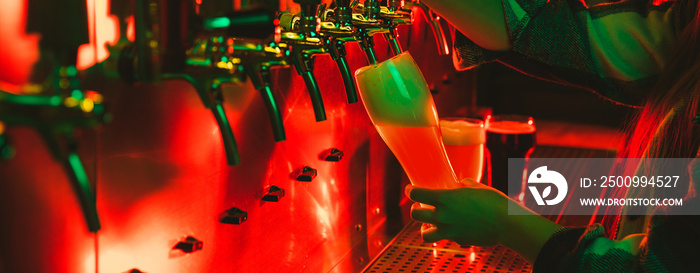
308,2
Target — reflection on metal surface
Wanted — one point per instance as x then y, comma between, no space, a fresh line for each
408,253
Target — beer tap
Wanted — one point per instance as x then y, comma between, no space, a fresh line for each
371,19
59,105
304,42
257,62
248,46
202,66
367,27
55,117
207,69
336,28
394,15
435,25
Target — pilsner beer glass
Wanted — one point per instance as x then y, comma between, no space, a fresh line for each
508,136
464,140
399,103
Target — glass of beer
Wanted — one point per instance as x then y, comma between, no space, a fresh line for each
508,136
464,142
398,101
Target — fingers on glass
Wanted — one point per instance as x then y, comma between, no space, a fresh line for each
468,182
422,214
423,195
431,233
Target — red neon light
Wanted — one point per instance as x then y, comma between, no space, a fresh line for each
103,30
19,51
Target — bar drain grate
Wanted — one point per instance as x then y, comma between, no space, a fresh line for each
408,253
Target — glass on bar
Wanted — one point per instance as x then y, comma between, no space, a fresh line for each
398,101
509,136
464,141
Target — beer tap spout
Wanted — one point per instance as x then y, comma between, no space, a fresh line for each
305,41
55,118
435,25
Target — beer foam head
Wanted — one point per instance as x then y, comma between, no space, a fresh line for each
394,92
510,127
463,132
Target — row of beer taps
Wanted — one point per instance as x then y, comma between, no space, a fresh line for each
298,38
208,50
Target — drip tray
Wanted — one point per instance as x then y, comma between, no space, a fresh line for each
408,253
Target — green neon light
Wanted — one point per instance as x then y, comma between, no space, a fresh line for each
76,94
205,62
251,20
220,22
99,109
224,22
71,71
33,100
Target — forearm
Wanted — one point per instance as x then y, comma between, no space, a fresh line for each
526,234
482,21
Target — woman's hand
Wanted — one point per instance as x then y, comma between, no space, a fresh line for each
478,215
472,215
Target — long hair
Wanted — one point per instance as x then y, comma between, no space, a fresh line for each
663,128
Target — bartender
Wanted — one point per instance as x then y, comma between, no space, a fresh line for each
643,53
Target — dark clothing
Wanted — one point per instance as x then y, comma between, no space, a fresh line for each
615,48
